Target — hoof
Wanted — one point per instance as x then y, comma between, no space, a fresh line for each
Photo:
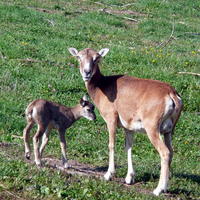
38,164
129,180
108,176
158,191
66,166
27,156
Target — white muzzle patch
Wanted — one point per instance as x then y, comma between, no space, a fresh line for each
86,71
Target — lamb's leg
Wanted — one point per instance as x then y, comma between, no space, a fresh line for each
36,142
45,139
26,137
63,146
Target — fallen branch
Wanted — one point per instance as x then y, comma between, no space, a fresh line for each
130,19
191,73
51,22
4,144
17,136
99,3
43,10
74,171
110,13
128,4
125,5
171,37
29,60
2,56
189,33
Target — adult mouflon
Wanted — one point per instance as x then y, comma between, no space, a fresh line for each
136,104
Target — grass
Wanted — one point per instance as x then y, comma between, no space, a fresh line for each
35,63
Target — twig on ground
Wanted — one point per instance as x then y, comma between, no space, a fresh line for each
51,22
130,19
2,56
171,37
189,33
43,10
99,3
110,13
75,171
29,60
191,73
4,144
17,136
128,4
125,5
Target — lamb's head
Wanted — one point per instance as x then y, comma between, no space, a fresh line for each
87,109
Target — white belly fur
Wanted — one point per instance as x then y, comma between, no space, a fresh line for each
135,126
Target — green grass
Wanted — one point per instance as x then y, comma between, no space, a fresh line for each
26,32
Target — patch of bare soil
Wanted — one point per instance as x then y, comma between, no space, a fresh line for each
45,10
126,12
76,168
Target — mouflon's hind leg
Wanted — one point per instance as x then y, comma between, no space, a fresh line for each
168,143
161,147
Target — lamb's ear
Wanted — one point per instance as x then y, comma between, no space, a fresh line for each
73,51
82,103
103,52
85,98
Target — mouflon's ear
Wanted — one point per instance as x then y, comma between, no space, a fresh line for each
103,52
73,51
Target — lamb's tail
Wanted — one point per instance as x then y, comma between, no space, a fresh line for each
29,112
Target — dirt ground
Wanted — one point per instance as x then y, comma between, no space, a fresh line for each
76,168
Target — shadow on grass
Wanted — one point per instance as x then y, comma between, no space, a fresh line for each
146,177
192,177
101,169
105,168
178,191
